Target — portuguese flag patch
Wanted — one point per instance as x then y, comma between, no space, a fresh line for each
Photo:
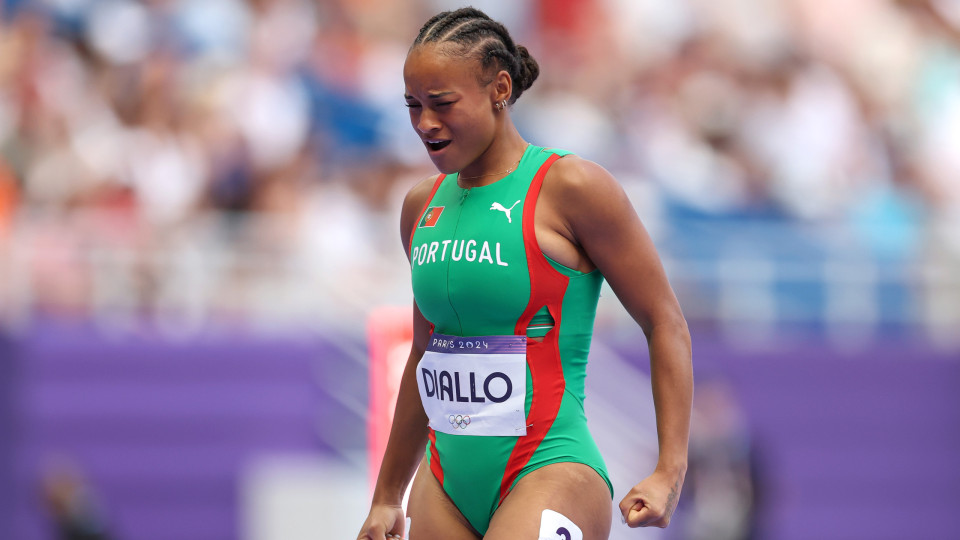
431,216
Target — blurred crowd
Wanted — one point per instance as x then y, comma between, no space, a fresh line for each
125,125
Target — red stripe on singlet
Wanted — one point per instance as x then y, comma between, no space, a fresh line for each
435,466
547,287
423,210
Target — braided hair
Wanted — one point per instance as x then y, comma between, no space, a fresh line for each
477,35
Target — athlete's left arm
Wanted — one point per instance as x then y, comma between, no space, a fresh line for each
597,216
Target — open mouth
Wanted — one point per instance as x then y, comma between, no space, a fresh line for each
436,146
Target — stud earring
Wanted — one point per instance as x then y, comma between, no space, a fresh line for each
498,105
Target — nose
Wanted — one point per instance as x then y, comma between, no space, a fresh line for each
427,122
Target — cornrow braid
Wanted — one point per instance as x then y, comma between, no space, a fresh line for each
477,35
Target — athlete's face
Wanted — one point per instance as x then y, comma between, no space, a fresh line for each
452,113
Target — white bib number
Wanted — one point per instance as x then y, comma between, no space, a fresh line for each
475,385
556,526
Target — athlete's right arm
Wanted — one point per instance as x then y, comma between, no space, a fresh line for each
408,434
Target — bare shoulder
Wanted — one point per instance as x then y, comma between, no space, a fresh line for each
417,196
580,179
580,188
413,204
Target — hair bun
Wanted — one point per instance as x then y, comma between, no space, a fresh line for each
529,70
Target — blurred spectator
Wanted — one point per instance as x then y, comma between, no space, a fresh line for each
131,127
722,491
75,512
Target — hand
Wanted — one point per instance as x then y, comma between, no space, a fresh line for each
383,522
651,502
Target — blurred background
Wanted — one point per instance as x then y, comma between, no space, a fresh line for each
198,215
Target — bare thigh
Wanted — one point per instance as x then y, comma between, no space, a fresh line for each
432,514
572,489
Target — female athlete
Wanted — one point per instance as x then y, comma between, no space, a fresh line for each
508,248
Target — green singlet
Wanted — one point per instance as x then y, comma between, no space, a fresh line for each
477,270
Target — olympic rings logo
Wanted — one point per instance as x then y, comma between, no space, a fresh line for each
459,421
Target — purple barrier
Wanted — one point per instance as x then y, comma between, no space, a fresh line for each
7,441
160,432
848,445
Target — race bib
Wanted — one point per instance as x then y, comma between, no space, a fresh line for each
556,526
475,385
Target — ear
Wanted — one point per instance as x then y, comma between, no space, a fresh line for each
502,87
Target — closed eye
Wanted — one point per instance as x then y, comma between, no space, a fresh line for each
436,104
440,104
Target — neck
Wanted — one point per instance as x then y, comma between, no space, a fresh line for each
498,160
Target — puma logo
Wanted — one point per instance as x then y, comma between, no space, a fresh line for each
498,206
